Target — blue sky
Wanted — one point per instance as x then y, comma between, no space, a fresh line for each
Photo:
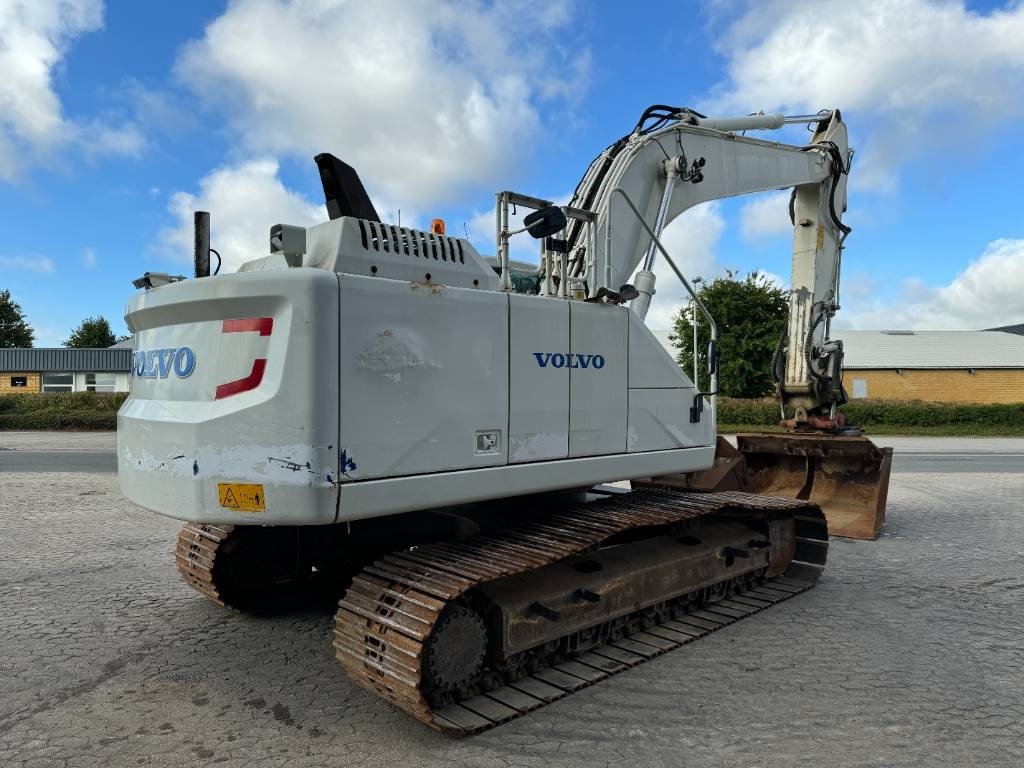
116,121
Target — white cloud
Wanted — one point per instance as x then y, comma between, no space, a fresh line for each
909,73
423,98
89,258
97,138
764,216
42,265
34,38
691,240
989,292
50,335
244,201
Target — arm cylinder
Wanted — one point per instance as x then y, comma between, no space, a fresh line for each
745,123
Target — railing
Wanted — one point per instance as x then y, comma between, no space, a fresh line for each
502,232
713,347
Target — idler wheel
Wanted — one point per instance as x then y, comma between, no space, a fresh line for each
455,650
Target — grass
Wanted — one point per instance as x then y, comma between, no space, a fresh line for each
98,411
888,417
901,430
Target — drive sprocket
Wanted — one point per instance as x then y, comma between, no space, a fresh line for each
454,654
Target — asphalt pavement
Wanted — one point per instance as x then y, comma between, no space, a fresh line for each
58,461
907,653
94,452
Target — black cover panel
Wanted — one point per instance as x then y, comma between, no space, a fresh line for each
343,191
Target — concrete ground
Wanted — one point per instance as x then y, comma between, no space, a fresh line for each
908,653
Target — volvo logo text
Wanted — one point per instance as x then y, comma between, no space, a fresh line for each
558,360
160,363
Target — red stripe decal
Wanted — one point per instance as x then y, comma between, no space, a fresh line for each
241,324
251,381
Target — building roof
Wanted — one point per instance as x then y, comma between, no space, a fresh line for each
65,359
919,349
126,343
1017,329
931,349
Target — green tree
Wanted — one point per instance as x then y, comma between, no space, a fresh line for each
751,316
14,328
92,332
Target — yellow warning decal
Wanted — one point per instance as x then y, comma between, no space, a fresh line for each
242,497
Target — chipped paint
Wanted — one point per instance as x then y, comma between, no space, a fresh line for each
538,446
676,433
295,464
393,351
429,288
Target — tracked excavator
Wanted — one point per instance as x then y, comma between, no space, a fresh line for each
381,417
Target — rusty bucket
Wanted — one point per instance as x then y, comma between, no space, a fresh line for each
847,476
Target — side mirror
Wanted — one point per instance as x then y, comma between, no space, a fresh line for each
545,222
712,357
628,292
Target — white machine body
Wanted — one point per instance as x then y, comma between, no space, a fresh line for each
368,382
364,369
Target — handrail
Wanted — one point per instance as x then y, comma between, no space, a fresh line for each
683,280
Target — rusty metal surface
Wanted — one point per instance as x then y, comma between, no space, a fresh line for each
728,473
383,624
586,590
848,477
194,554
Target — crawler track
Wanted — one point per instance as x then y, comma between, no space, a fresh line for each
387,616
195,553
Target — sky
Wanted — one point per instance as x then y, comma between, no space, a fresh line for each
119,119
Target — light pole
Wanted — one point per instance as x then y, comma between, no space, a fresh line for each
693,321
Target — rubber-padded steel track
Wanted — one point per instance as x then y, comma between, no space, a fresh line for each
386,617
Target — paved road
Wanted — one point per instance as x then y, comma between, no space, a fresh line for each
903,461
953,463
908,653
58,461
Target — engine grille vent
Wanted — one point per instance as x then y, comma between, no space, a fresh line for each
411,242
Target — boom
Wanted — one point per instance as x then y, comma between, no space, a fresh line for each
667,171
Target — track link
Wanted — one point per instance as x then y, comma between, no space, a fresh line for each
194,555
388,614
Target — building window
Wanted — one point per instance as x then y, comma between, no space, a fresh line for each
860,388
19,381
58,382
100,382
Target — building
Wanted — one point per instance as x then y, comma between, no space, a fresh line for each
937,366
64,369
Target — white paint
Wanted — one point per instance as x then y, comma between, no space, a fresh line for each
271,464
537,446
392,351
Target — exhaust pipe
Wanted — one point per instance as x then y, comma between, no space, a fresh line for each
201,253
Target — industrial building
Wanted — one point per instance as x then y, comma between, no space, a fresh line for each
64,369
936,366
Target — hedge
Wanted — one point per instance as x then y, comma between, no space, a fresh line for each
60,410
875,413
98,410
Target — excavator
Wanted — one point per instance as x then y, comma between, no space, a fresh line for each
438,442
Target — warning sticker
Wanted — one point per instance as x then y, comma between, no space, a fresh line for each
242,497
